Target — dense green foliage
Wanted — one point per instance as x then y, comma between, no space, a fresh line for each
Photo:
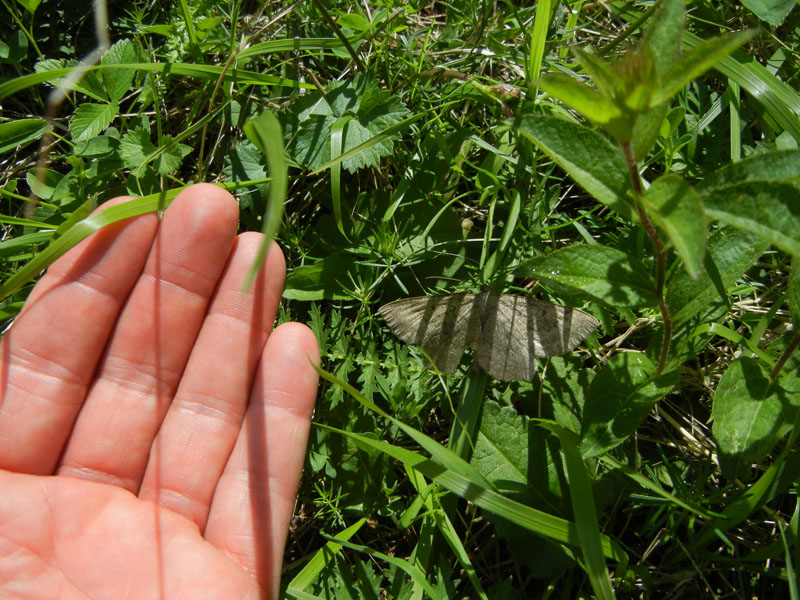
637,160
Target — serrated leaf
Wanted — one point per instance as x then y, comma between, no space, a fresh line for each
373,111
170,157
751,414
89,84
117,82
590,159
697,61
89,120
135,149
595,272
16,133
677,210
770,210
618,400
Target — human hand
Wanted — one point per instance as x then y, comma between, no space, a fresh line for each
152,426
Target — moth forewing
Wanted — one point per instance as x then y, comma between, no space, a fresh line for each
508,332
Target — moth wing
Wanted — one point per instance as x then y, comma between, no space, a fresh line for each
517,330
443,325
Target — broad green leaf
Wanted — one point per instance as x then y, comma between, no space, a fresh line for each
598,273
30,5
697,61
677,210
90,119
729,254
599,70
589,102
264,131
43,182
514,456
564,386
770,166
663,35
324,279
771,11
619,399
372,111
793,292
591,160
117,81
646,130
751,414
770,210
21,131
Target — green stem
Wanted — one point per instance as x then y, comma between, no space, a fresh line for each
776,370
661,255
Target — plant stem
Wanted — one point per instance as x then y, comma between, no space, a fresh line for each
776,370
661,255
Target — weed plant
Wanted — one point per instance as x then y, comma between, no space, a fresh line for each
636,160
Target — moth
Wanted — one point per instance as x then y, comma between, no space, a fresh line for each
507,332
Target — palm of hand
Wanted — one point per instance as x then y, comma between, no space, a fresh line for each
153,429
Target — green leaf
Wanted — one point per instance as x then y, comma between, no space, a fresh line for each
619,399
373,111
89,120
264,131
770,210
663,36
598,273
729,254
589,102
136,150
324,279
21,131
676,208
646,130
30,5
769,166
751,414
117,81
771,11
697,61
590,159
506,448
599,70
